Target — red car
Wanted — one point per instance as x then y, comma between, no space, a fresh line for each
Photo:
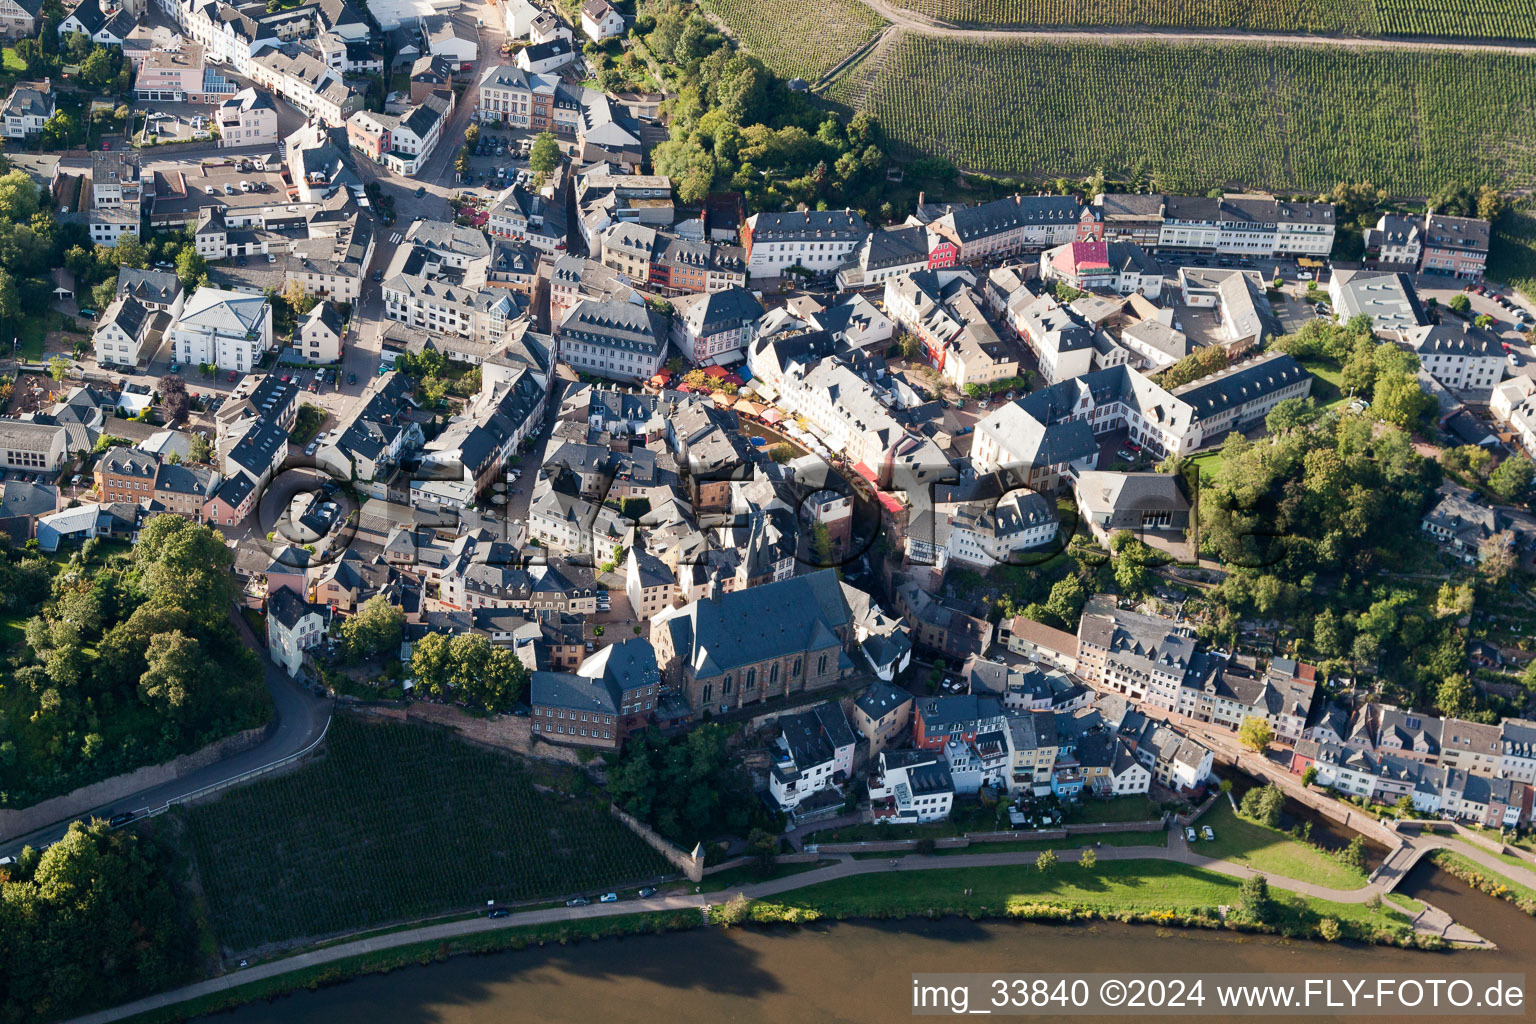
286,378
232,376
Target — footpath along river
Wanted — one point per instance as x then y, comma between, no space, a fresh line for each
852,972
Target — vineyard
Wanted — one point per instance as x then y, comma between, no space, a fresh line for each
1196,116
395,823
798,40
1485,19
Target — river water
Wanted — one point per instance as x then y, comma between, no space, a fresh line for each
850,972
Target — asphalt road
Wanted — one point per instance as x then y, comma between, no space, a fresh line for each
299,719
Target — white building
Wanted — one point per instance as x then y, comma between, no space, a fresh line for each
819,241
25,110
600,21
1514,405
228,329
815,753
247,118
911,787
715,328
293,627
126,327
1458,355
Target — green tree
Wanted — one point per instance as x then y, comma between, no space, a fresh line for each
1309,776
431,664
1353,855
376,628
1459,303
60,129
1254,900
191,268
175,668
1512,477
199,450
1256,733
1455,697
98,921
1088,859
99,69
1045,861
19,197
544,154
1290,414
58,368
762,845
185,565
1264,804
130,252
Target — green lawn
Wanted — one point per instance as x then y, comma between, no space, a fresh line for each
1507,858
12,630
13,64
1034,845
1210,464
1327,388
32,331
394,823
1132,889
1127,808
1408,903
1272,851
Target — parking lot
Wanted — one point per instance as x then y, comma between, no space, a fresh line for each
173,122
498,157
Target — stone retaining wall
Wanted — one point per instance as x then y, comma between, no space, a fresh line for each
982,838
21,821
690,864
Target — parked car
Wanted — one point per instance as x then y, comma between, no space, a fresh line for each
499,912
120,819
378,275
1189,834
312,447
609,897
233,376
1207,833
579,901
421,191
1305,275
351,378
647,892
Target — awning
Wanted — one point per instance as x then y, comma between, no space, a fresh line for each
865,472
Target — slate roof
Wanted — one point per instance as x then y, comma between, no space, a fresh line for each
744,627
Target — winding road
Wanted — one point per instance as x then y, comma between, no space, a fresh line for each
1431,921
299,719
911,21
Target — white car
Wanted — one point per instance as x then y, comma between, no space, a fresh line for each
1305,275
1189,834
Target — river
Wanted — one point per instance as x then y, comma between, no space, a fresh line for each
850,972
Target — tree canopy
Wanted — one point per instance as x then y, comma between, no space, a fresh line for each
92,921
687,787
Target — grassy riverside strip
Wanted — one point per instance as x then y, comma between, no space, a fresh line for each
1272,851
1158,892
1133,891
1485,880
1483,19
422,953
1199,116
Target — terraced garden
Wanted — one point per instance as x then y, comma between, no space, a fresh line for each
1200,116
1478,19
798,40
397,822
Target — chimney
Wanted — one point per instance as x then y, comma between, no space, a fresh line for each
922,198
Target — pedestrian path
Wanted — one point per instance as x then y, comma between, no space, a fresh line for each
1435,922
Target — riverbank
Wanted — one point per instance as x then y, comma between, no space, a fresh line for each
1121,886
1485,879
1162,892
240,992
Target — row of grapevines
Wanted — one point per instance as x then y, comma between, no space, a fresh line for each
1297,118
